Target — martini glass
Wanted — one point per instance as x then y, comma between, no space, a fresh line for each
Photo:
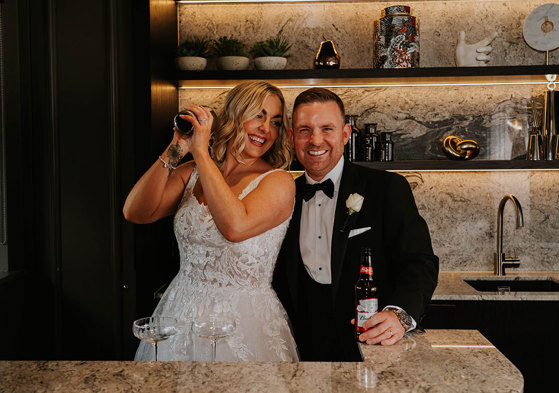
214,325
154,329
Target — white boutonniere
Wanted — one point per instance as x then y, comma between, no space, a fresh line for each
354,202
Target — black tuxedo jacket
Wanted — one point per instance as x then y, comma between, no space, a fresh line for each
404,265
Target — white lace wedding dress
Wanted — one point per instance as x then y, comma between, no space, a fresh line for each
234,276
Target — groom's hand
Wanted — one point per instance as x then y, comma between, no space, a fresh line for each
384,327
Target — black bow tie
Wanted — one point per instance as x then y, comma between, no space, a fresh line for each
308,190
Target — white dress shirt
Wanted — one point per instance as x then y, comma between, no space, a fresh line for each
317,224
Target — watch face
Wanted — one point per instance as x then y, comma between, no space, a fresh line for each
404,318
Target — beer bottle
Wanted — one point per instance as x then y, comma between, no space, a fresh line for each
366,301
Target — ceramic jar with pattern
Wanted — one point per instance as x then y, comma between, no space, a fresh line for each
396,38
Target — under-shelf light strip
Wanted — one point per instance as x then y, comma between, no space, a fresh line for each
372,85
283,1
250,1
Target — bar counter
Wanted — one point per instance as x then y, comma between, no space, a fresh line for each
435,361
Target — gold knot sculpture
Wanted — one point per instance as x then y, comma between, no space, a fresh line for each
458,149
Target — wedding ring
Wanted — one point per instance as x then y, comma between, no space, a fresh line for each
201,121
390,332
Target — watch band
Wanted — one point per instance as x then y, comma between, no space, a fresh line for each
405,319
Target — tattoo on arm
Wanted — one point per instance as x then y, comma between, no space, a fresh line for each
175,154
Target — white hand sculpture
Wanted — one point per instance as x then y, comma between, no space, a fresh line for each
474,54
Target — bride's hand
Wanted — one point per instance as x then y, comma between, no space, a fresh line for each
202,124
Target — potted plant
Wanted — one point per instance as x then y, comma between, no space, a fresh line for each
192,54
270,54
230,54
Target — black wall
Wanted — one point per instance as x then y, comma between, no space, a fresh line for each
79,132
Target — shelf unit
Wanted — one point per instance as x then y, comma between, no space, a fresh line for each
440,76
435,76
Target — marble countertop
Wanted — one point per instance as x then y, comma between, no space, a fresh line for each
451,286
435,361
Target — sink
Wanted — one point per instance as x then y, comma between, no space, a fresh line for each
514,285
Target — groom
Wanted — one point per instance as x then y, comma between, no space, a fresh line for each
319,261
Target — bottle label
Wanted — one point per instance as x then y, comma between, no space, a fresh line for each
367,270
365,310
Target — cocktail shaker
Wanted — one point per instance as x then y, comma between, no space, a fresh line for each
184,126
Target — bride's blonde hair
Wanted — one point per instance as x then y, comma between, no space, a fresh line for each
243,103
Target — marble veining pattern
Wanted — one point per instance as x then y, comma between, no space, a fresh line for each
461,210
419,362
420,118
350,26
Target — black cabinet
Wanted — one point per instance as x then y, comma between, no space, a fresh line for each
524,331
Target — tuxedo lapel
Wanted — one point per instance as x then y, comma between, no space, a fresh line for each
293,243
350,184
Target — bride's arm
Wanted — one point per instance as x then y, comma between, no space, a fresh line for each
264,208
158,192
267,206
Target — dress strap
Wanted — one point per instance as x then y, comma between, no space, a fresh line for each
192,180
254,183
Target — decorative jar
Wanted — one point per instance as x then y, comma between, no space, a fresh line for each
396,38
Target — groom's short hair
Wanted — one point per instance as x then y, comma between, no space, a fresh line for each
318,94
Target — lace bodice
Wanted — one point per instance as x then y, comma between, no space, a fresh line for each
232,277
207,258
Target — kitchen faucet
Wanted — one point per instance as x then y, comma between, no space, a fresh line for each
501,261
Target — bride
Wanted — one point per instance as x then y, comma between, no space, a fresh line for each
232,208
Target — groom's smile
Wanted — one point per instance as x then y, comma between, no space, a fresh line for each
318,135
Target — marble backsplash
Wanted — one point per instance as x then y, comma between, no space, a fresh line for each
497,117
350,25
461,211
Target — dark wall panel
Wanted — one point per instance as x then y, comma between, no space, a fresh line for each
83,89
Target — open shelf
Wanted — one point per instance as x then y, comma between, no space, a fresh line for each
433,76
474,165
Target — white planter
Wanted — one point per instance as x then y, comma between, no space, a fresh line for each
234,63
270,63
191,63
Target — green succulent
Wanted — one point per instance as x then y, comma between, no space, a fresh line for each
199,47
277,46
228,46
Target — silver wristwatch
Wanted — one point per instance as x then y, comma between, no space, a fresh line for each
405,319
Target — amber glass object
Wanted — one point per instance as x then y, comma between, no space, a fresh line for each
327,56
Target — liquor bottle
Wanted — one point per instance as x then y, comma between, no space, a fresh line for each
366,300
387,146
352,146
369,147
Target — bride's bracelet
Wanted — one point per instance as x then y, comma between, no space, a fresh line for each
167,164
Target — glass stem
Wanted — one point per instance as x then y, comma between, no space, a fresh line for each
155,350
214,341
